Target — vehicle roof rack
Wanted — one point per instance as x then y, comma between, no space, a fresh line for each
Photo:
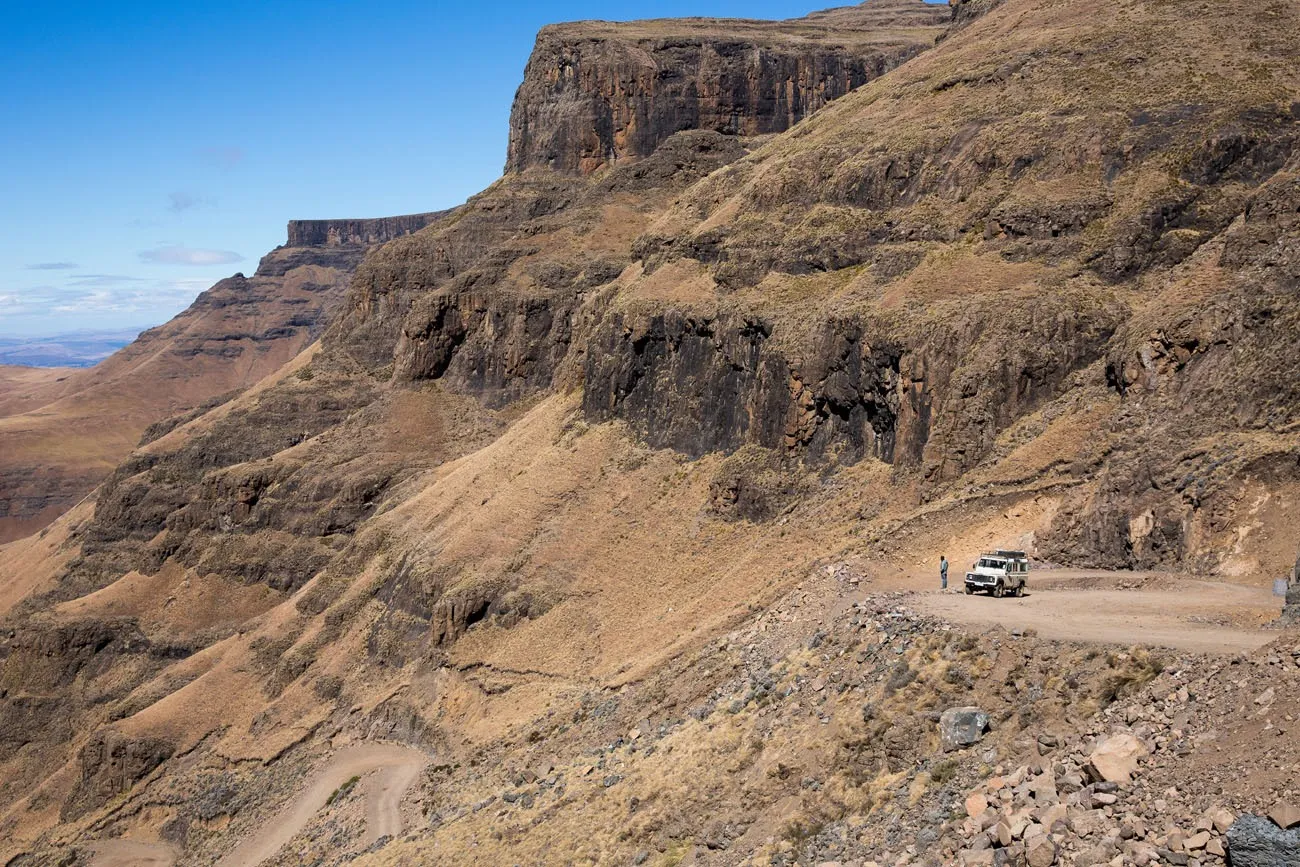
1014,554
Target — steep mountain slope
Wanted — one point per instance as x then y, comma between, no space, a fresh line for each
594,490
967,241
61,435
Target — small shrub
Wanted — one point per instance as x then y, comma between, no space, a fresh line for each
899,677
342,791
943,771
799,831
1133,671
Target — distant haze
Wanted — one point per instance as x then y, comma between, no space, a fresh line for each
78,349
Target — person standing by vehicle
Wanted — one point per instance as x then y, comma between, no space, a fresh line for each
943,572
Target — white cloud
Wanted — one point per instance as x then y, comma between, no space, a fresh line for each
52,266
27,301
86,280
178,254
111,295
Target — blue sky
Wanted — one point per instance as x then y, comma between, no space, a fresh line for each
151,148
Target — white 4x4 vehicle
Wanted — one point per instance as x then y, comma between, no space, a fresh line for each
999,573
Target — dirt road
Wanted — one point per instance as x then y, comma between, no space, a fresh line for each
1188,614
398,767
131,853
384,794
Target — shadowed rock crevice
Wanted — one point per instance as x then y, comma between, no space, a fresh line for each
715,384
933,400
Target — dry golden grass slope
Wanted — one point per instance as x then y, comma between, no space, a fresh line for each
610,495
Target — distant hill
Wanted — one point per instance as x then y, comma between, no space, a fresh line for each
62,431
75,349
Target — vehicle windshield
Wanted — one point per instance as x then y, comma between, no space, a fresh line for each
992,564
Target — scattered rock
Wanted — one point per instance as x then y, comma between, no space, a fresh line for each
976,804
1221,819
1285,815
962,727
1116,758
1040,851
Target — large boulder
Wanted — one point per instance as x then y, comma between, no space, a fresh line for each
962,727
1116,757
1254,841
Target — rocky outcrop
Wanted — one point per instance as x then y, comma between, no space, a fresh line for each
703,384
966,11
1291,608
50,657
926,399
485,303
204,502
56,676
342,233
497,347
596,93
111,763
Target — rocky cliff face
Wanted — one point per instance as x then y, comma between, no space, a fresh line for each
705,384
363,233
597,93
966,11
844,390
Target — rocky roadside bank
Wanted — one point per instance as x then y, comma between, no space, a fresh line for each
1130,788
878,736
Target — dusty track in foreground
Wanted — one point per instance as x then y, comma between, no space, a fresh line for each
1201,616
398,768
131,853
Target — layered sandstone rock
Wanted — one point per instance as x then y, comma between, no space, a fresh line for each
342,233
595,93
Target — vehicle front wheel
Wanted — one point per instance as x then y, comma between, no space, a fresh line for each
970,591
998,590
